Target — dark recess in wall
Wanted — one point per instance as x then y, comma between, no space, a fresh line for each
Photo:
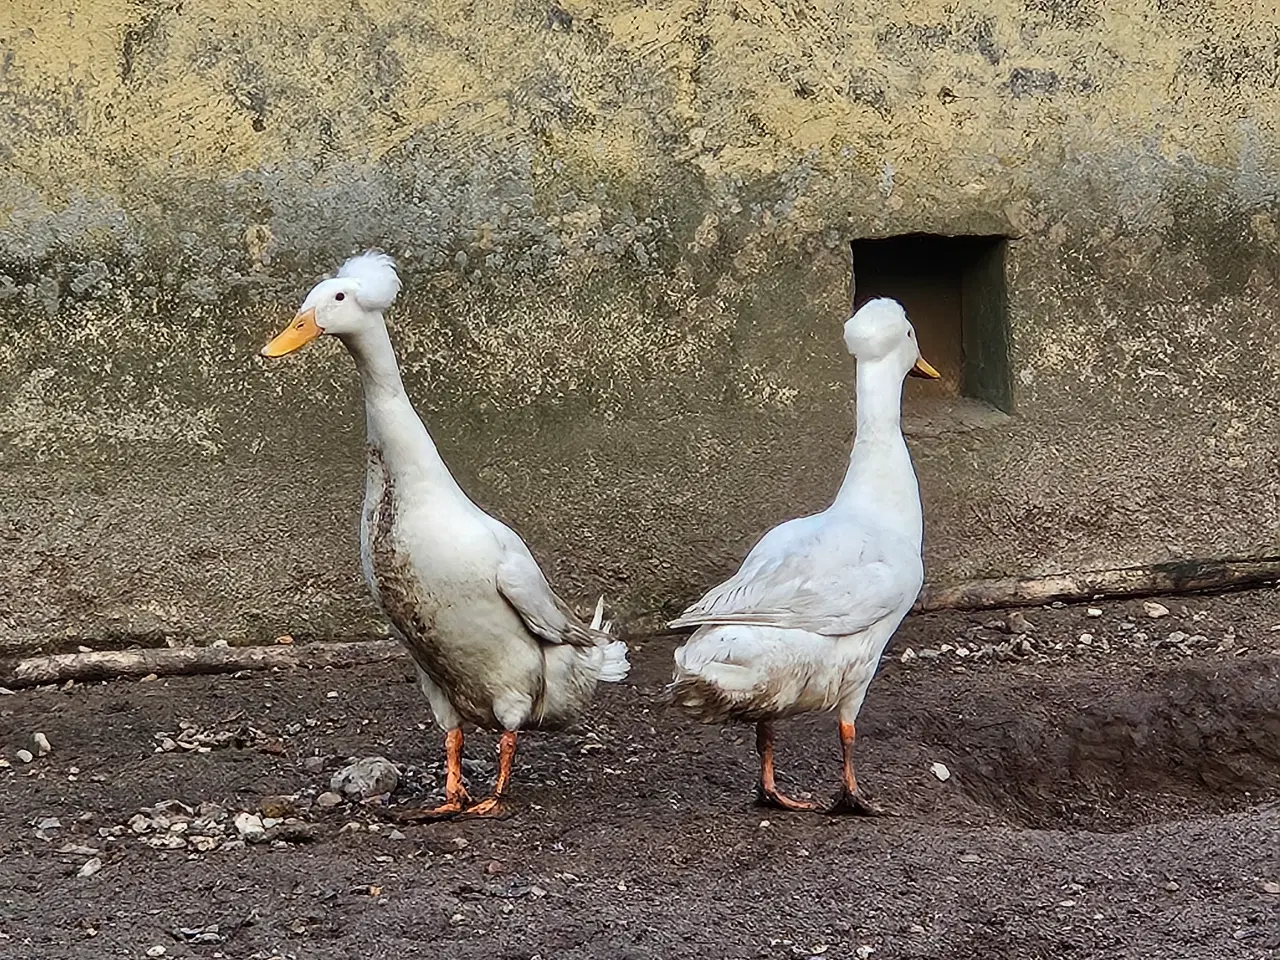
953,289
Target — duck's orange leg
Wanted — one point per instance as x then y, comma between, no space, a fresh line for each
850,799
768,795
492,806
455,794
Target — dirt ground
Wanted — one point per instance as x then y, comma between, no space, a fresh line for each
1117,797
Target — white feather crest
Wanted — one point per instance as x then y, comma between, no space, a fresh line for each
376,275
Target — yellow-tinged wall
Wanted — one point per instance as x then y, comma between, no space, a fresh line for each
624,233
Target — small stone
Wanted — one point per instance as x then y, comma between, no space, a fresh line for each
203,844
250,828
1177,637
1172,886
140,823
328,799
864,951
1155,610
1066,903
908,655
78,850
278,807
313,765
332,695
26,756
232,844
370,777
1093,612
1086,639
916,928
493,868
395,835
1271,887
166,842
156,951
43,747
940,771
970,858
352,827
929,654
90,868
1016,623
295,831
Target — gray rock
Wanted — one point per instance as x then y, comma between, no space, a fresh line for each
369,777
250,827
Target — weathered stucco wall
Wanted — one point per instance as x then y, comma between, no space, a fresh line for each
624,231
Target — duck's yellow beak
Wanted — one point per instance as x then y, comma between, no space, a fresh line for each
297,334
924,368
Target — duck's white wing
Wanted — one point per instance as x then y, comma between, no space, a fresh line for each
522,584
826,575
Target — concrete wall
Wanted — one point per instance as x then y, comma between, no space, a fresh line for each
624,230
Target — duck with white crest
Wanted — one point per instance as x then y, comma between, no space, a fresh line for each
802,625
493,645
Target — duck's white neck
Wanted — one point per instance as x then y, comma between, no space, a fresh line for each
880,477
393,427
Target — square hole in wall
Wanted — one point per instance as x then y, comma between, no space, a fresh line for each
953,289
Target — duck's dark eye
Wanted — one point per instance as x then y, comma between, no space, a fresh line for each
339,296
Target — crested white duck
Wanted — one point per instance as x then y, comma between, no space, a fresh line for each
802,625
493,644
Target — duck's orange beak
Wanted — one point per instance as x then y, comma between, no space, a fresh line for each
297,334
924,369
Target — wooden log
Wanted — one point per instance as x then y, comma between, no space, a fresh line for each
179,661
1161,579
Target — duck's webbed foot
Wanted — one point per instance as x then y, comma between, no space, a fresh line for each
772,797
855,805
456,797
494,807
850,801
767,792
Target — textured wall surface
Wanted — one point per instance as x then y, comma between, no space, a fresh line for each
624,231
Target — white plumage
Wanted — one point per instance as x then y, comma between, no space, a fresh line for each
376,279
802,625
493,644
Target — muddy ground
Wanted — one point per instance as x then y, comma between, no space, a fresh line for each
1101,803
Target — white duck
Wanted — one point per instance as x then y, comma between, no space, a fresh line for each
493,644
801,626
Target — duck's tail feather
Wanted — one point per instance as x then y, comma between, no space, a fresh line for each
614,665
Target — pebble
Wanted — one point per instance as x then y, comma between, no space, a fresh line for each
278,807
156,951
328,799
1271,887
940,771
25,756
369,777
1172,886
1017,623
203,844
250,828
908,655
1094,612
90,868
1155,610
395,835
43,747
313,765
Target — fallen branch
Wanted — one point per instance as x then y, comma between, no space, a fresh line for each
180,661
1160,579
